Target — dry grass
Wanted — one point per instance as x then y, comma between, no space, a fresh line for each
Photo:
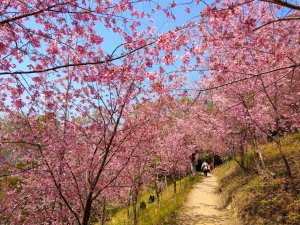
265,199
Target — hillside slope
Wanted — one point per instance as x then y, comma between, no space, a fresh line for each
270,198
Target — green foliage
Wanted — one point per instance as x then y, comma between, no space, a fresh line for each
255,185
12,181
25,165
281,172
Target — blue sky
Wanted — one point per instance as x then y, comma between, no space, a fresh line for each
163,24
111,40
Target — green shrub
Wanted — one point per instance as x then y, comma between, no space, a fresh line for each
281,172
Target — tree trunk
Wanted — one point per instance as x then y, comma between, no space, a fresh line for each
157,191
103,211
128,207
241,164
180,182
283,156
193,169
157,197
134,213
134,203
87,210
242,155
175,187
258,157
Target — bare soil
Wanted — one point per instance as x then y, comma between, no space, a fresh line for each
204,206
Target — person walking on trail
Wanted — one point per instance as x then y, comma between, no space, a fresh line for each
205,168
209,168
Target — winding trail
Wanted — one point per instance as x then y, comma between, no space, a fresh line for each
203,206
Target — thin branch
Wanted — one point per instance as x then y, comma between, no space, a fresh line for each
230,107
278,20
239,80
78,64
283,3
30,14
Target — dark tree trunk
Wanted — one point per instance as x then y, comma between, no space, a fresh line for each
157,191
134,204
180,182
175,187
158,197
128,207
103,211
242,155
283,156
134,214
87,210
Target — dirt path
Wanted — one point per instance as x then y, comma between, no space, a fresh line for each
203,206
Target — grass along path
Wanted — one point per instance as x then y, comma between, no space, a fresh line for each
154,215
203,206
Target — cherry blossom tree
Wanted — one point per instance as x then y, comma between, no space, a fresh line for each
76,158
82,114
